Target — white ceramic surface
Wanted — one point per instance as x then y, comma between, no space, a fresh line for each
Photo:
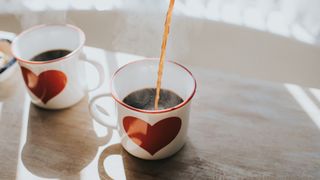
150,134
57,83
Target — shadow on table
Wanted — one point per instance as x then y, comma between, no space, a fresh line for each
60,143
11,123
186,164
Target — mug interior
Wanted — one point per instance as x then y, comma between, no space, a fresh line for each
143,74
44,38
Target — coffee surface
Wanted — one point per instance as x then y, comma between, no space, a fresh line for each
145,99
51,55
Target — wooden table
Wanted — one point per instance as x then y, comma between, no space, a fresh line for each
240,128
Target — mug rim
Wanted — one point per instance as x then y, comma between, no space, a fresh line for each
153,111
82,35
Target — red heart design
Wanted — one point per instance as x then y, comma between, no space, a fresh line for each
152,138
45,86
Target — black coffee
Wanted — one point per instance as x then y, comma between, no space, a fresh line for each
144,99
51,55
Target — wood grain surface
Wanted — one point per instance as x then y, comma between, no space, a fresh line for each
240,129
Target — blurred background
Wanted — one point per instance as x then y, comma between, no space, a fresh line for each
268,39
226,40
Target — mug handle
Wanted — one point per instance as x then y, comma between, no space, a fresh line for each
98,67
97,114
114,149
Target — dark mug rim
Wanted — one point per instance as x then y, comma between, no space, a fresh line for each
113,94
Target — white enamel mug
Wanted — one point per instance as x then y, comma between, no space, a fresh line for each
149,134
57,83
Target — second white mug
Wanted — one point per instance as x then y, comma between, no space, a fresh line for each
57,83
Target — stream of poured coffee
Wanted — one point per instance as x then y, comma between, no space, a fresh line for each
163,52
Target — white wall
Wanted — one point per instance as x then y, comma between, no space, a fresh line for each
197,41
